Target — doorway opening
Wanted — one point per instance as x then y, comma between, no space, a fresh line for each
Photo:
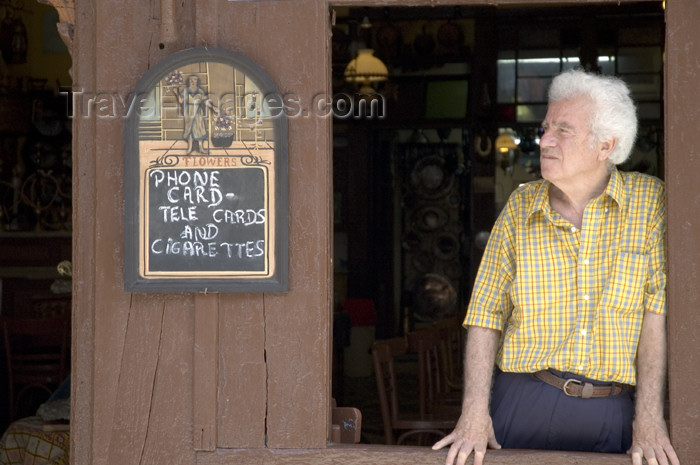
418,187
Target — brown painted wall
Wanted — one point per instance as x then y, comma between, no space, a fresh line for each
157,377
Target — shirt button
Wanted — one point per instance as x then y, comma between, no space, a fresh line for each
580,368
585,261
585,297
583,332
573,229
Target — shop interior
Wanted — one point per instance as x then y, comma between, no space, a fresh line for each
427,146
420,177
35,183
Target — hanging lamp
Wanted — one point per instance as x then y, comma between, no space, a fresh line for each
366,69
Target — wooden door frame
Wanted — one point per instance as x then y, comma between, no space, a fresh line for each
682,161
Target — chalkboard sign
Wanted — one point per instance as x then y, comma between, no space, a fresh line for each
206,178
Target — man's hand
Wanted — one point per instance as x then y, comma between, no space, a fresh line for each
472,433
650,441
474,430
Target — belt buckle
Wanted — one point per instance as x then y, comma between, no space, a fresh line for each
566,385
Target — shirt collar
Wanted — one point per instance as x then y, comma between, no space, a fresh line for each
540,201
614,190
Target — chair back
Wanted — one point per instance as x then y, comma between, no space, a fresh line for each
427,344
452,345
383,354
347,425
36,351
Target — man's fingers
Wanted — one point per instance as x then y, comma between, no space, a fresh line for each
671,454
660,455
479,457
452,454
459,453
442,442
636,455
649,454
462,457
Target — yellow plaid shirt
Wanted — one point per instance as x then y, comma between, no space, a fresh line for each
573,299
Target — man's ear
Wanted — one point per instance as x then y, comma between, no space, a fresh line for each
605,148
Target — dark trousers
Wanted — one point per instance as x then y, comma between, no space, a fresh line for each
530,414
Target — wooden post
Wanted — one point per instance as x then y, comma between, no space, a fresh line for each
205,379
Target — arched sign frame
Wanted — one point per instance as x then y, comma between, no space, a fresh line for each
206,178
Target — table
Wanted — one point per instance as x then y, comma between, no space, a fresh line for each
27,443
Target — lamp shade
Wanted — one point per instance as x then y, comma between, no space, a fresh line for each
505,142
366,69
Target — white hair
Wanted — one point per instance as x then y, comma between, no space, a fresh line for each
614,113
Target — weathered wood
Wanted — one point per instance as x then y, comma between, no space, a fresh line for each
124,355
142,319
242,378
133,356
435,3
206,374
682,157
170,412
296,324
394,455
129,387
83,411
168,23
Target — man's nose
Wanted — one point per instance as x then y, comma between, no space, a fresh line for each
547,140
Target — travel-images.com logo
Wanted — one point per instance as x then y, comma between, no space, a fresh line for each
113,105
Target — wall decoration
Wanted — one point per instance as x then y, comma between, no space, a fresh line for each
432,229
206,178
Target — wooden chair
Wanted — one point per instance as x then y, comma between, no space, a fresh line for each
36,350
452,346
383,355
435,396
347,425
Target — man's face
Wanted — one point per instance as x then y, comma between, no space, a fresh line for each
568,152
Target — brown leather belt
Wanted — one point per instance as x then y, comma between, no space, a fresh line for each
577,388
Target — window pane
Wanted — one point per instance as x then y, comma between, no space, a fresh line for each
533,89
506,77
644,86
569,60
639,60
538,63
606,62
531,113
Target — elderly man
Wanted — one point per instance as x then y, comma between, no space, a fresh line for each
569,303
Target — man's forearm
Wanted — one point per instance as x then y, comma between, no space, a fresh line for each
482,345
651,367
650,439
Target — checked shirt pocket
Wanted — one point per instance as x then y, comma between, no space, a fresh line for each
625,291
